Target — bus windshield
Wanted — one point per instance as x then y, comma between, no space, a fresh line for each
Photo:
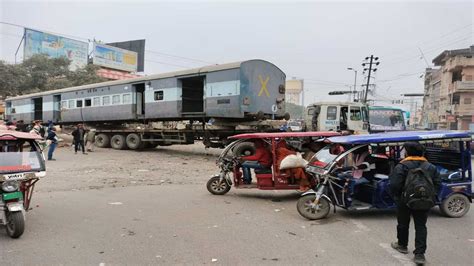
386,120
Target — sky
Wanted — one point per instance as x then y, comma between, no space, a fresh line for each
312,40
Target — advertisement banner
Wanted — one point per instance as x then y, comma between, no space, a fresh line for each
37,42
115,58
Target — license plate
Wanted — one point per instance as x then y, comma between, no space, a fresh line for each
18,176
13,195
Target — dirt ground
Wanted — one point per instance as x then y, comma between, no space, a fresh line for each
111,168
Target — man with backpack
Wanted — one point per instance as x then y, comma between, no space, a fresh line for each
414,184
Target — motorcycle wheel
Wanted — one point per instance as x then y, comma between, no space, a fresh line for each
217,187
15,224
307,211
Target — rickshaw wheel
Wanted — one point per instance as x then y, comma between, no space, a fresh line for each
217,187
307,210
455,206
15,224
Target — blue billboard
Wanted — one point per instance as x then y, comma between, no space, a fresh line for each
37,42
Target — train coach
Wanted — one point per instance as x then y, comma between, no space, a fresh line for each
242,91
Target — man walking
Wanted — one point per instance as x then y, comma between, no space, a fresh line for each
78,135
414,184
53,139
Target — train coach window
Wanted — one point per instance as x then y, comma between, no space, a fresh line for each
96,101
159,95
115,99
127,98
106,100
79,103
71,104
88,102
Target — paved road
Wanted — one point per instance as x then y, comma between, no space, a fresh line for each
184,224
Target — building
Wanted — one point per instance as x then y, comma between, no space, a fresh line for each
294,90
449,91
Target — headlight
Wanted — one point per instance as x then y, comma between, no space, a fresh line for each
10,186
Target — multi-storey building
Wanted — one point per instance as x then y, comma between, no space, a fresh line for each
449,91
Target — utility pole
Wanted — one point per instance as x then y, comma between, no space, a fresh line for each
372,61
355,81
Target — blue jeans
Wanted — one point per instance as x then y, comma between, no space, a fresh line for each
246,169
52,146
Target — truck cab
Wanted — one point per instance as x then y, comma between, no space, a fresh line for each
337,116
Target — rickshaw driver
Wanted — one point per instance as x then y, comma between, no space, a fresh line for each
260,160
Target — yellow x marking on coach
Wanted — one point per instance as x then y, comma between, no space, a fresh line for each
264,86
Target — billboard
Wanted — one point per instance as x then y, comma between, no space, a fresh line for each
115,58
37,42
136,46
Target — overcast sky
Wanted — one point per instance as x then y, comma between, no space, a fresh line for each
316,41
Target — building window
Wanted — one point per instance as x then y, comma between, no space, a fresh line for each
64,104
332,113
88,102
79,103
127,98
467,100
159,95
456,98
71,104
468,78
115,99
105,100
96,101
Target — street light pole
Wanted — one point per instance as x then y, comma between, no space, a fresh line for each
355,81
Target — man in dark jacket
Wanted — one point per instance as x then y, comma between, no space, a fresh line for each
52,137
414,159
78,135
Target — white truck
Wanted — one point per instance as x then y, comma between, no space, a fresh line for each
337,116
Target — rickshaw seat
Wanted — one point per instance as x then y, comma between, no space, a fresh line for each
263,171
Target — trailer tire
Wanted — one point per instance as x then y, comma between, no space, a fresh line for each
118,142
102,140
134,141
244,149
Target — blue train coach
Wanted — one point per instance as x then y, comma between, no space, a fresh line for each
239,91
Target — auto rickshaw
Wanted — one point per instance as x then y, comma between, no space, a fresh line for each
447,150
270,178
21,165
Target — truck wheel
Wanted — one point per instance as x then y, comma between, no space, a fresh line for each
118,142
102,140
307,210
216,186
134,141
455,206
15,224
244,149
287,116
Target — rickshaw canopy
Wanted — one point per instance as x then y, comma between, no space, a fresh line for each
316,134
400,136
14,135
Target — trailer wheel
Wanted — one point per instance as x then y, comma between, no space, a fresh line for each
134,141
118,142
244,149
102,140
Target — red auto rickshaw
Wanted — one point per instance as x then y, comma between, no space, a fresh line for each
270,178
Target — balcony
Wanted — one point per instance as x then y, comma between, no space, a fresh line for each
462,86
463,109
458,62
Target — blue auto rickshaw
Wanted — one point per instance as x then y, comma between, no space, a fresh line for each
449,151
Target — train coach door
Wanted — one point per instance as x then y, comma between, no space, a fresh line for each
56,108
37,108
193,95
139,100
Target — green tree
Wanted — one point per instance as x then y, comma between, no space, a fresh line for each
40,73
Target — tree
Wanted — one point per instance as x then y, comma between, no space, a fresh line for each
40,73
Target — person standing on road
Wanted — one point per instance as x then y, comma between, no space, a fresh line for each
410,174
78,135
53,139
90,139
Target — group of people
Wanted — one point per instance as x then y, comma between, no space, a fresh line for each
83,139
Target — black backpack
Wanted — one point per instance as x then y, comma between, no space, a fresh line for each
419,191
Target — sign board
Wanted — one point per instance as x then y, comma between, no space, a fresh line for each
115,58
136,46
37,42
451,118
